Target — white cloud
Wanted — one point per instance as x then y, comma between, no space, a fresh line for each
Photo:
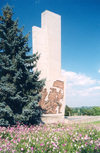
81,89
99,71
77,78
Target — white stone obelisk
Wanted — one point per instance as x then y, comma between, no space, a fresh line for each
47,42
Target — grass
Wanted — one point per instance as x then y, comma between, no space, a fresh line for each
54,138
96,122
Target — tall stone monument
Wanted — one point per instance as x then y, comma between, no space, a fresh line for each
47,42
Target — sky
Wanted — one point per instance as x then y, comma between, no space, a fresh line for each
80,41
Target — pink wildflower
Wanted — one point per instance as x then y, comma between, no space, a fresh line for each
19,140
54,144
41,144
32,148
80,135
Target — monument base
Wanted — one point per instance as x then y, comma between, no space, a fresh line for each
52,118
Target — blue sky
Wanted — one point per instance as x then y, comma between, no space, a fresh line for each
80,43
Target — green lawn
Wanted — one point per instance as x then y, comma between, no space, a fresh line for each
96,122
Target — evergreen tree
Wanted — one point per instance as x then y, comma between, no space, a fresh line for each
20,86
68,111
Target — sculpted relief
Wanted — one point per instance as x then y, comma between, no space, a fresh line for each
52,102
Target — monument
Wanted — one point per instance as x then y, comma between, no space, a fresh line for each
47,42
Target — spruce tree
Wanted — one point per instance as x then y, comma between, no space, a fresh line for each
20,86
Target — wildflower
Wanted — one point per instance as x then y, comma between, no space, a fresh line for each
22,149
54,144
32,148
41,144
91,141
82,146
37,139
19,140
80,135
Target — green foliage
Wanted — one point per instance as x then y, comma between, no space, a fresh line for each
68,111
93,111
20,86
96,110
5,135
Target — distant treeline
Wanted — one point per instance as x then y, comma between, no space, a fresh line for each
71,111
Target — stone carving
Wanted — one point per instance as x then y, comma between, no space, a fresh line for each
59,84
52,102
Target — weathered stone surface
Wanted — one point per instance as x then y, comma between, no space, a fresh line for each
53,100
59,84
47,41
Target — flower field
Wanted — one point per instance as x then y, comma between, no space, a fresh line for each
57,138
